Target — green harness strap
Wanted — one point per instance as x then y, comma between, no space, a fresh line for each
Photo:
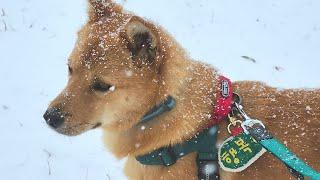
204,144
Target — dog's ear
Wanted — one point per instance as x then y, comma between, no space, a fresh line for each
101,8
143,42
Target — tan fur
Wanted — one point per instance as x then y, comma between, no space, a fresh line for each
145,79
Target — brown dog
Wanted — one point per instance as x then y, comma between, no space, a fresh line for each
123,65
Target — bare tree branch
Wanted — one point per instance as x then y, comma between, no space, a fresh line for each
108,176
48,162
5,25
249,59
49,167
3,13
87,174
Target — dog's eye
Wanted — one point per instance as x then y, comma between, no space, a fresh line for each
102,87
70,70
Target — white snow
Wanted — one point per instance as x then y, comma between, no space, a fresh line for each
137,145
209,169
128,73
112,88
308,108
280,38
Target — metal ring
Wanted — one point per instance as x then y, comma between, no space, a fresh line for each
235,122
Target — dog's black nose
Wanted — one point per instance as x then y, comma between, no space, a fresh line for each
54,117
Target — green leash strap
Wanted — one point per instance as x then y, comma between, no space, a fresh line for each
258,131
290,159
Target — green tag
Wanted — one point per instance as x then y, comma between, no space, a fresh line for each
239,152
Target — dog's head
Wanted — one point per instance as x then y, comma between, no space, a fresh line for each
114,72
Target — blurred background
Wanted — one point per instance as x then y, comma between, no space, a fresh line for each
277,42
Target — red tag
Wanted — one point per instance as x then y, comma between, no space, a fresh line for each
236,131
224,100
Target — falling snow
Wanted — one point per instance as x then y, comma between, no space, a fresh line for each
34,30
112,88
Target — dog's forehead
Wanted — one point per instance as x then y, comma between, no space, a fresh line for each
98,42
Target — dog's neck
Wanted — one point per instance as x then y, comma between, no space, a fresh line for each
193,85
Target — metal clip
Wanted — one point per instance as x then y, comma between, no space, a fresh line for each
249,124
233,122
237,98
241,111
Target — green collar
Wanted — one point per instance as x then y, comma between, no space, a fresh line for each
167,105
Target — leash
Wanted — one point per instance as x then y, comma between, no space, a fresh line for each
258,131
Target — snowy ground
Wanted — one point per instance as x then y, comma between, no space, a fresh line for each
36,36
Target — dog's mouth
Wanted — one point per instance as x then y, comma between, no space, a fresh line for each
97,125
76,129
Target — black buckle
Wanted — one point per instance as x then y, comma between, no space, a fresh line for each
167,156
208,170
